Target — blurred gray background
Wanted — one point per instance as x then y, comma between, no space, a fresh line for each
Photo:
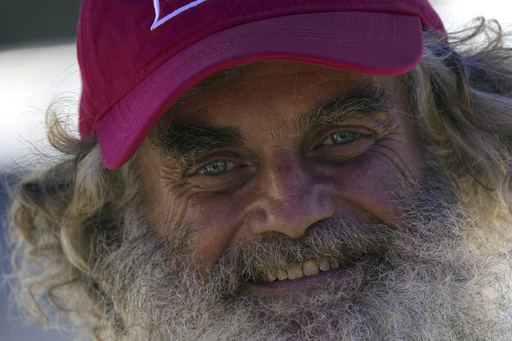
36,45
36,21
38,64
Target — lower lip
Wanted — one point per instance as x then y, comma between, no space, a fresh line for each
285,286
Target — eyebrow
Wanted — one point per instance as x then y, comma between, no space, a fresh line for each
369,103
187,143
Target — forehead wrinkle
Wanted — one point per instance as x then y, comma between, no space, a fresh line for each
368,103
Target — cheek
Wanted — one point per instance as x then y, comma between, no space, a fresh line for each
214,220
372,185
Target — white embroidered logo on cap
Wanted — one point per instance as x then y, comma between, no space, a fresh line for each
159,21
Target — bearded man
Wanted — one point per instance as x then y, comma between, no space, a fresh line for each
289,170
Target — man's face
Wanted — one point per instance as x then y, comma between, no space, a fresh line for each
289,201
278,148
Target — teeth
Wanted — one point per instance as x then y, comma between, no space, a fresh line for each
271,276
310,268
324,264
262,279
282,275
297,270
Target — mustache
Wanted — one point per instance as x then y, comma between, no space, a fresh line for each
339,240
347,241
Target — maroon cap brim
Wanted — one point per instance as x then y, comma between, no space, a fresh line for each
365,42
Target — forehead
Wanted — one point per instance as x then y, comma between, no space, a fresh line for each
283,86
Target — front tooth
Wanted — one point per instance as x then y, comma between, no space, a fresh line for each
335,263
324,264
271,276
295,272
262,279
310,268
282,275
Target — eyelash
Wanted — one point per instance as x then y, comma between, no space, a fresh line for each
210,169
225,166
352,136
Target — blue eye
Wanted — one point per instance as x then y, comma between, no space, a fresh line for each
341,138
216,168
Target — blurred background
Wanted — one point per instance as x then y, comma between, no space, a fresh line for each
38,65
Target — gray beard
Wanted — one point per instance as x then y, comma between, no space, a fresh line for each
420,284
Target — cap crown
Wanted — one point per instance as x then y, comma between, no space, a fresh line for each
122,42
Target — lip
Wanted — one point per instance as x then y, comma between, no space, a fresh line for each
290,285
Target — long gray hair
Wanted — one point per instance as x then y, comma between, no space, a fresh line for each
66,219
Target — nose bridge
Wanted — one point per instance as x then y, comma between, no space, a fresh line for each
285,176
292,199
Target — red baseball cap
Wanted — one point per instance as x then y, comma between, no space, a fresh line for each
137,57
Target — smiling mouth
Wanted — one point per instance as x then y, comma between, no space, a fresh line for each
299,270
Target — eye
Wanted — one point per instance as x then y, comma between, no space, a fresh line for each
217,168
341,138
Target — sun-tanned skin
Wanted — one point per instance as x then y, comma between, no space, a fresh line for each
280,168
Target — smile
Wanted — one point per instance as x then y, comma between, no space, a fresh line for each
316,272
299,270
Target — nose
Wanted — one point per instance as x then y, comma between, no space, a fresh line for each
290,198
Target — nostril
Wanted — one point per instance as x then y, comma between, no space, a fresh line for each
290,216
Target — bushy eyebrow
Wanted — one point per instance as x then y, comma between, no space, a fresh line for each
369,103
186,143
